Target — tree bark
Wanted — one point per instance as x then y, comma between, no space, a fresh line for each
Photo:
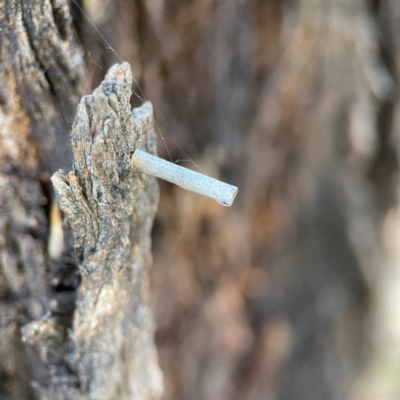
74,315
41,75
296,103
286,295
110,210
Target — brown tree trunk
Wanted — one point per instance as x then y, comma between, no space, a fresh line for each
74,316
41,75
296,103
291,293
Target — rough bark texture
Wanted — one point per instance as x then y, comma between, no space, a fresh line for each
41,74
58,341
110,210
293,292
295,102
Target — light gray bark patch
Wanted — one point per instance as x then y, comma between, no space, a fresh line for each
111,209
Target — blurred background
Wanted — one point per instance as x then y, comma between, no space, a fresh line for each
294,291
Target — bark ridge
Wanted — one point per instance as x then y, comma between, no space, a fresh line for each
109,352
